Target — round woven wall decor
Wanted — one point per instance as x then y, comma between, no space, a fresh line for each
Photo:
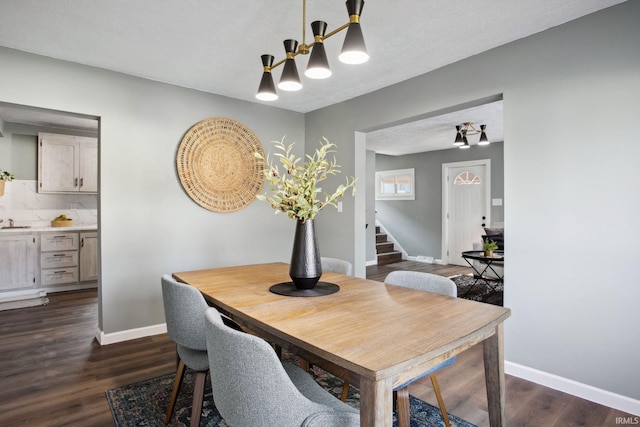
217,165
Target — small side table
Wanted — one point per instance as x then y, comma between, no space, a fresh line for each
497,258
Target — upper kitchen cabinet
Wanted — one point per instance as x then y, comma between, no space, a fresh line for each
67,164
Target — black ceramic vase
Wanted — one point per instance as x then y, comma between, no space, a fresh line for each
305,269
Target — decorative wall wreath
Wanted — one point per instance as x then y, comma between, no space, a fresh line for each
217,165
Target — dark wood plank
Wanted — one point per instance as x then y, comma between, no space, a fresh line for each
54,373
379,272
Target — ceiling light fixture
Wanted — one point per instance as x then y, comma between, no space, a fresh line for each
467,128
354,51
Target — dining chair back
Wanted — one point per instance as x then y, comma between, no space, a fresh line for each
271,393
423,282
430,283
336,265
184,308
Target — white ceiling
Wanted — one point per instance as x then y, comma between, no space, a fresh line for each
438,132
215,45
20,114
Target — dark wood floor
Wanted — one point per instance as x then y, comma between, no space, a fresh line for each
379,272
53,372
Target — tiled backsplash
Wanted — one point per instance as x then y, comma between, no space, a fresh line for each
22,203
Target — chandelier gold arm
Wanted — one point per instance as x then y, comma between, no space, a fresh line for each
304,48
469,129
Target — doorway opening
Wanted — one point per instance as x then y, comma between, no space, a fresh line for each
426,143
60,259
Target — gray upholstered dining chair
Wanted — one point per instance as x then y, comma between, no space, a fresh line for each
340,266
271,392
430,283
184,308
336,265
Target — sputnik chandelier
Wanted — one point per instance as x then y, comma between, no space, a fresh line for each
467,128
354,51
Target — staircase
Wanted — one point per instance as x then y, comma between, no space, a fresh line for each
385,250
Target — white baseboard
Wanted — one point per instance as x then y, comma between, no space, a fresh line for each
565,385
372,262
130,334
23,300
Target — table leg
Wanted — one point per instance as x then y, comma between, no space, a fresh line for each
476,276
479,275
494,376
500,279
376,403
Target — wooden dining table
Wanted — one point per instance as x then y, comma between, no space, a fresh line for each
374,336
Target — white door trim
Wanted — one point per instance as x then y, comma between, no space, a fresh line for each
445,199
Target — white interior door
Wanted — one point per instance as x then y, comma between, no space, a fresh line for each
467,193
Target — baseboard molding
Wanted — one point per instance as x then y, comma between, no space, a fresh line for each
129,334
373,262
21,301
565,385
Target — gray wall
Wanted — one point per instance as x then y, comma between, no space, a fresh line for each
370,217
417,224
24,156
148,225
571,183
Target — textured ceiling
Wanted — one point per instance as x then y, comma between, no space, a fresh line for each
215,46
436,133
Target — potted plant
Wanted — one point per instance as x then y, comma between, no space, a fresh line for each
4,176
489,246
294,190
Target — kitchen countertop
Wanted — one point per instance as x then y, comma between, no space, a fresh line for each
43,228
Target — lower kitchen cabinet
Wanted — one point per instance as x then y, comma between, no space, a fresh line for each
59,258
88,256
17,261
49,261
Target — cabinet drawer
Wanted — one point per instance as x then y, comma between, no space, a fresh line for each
59,242
58,259
58,276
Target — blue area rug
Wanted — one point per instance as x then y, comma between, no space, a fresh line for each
144,403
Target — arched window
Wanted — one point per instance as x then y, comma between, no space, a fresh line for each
466,178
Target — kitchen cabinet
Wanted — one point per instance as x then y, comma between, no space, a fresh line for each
58,258
67,164
17,261
88,256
